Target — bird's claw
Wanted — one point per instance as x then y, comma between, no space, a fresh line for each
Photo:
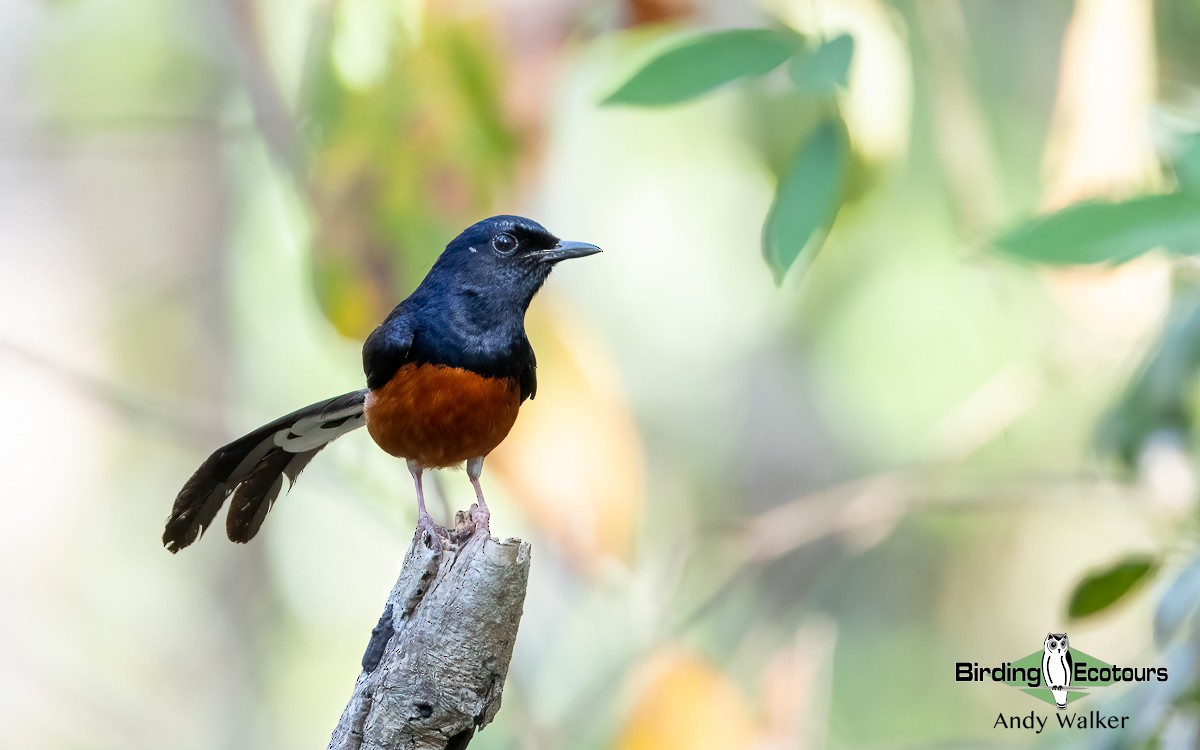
481,517
429,533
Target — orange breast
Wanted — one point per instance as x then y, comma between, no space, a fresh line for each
440,416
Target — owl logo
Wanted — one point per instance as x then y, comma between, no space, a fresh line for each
1057,667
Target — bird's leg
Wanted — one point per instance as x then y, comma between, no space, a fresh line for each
480,513
425,522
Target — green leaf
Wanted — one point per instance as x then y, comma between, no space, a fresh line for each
702,63
1101,590
807,199
1094,232
825,68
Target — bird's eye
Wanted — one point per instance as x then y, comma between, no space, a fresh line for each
504,243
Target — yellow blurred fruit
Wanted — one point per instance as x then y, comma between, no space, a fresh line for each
686,702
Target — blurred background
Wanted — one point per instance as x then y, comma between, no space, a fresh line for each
868,381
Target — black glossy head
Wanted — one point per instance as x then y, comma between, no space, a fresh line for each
500,263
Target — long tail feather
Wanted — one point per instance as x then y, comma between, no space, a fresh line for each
253,467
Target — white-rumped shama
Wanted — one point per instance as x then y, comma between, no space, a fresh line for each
446,371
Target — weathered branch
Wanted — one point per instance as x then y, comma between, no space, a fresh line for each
435,667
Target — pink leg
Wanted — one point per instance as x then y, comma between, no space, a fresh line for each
480,513
425,522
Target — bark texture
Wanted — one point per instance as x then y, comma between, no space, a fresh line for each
434,670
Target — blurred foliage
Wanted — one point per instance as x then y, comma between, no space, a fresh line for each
404,153
1114,232
1091,232
812,187
1178,605
806,201
1100,590
1159,401
825,68
702,63
1186,163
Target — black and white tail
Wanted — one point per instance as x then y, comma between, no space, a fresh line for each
252,468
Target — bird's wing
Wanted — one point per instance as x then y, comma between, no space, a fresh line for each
252,469
387,348
527,375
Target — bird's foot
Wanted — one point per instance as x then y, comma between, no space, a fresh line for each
429,532
481,516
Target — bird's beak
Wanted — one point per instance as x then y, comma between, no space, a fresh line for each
565,249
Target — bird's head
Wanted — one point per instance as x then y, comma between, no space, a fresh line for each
501,262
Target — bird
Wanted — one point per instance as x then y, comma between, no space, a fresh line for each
446,374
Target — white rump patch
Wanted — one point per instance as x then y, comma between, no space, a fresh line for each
311,432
